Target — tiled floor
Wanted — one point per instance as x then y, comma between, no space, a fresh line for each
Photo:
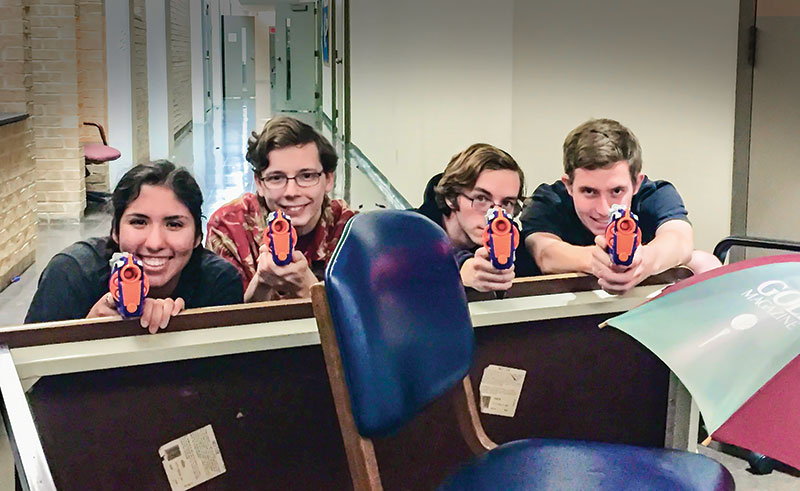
52,237
215,152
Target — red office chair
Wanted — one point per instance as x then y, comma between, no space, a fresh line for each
98,153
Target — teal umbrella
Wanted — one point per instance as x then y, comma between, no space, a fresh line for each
732,336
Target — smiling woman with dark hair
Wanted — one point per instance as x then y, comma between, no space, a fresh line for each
156,217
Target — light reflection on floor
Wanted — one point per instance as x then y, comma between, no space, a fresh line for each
215,153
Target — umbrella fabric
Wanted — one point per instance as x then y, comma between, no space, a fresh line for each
732,336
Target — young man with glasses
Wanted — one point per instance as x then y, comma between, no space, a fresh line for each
293,167
480,177
564,224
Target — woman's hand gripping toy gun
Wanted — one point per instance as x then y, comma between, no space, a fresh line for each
501,238
623,235
280,237
128,285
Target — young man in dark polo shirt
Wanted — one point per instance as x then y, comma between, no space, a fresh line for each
564,224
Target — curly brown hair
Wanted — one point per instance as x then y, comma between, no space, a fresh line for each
282,132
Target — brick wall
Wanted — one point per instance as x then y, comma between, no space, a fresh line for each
17,201
60,187
141,138
17,171
91,43
179,68
15,58
92,83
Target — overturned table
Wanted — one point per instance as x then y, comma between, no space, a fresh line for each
105,396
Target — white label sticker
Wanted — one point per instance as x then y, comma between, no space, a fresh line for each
232,37
192,459
500,389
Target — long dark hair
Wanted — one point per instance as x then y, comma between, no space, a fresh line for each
158,173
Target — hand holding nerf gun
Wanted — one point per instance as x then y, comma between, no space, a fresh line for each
128,285
623,235
500,238
492,266
281,267
280,237
618,261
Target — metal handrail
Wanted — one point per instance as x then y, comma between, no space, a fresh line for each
722,248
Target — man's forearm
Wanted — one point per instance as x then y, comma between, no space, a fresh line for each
668,250
672,246
560,257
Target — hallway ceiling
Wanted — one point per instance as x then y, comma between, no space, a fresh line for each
264,3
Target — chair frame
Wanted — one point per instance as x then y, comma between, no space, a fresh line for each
100,128
360,451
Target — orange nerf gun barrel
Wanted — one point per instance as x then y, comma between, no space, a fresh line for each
128,285
623,235
500,238
281,237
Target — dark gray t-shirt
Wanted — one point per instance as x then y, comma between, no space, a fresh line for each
76,278
552,210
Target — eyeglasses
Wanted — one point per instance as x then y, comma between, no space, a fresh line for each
482,204
304,179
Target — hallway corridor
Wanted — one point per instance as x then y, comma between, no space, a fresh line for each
215,153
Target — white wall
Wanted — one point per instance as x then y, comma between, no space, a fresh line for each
198,98
118,66
427,80
431,77
667,70
773,202
157,95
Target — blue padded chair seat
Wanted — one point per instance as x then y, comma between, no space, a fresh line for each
565,465
401,317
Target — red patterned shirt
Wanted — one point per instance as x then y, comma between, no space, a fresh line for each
236,228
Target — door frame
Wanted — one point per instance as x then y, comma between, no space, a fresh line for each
333,55
278,89
208,99
743,110
346,103
250,63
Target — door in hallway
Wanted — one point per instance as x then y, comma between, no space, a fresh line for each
773,200
295,62
340,53
239,57
206,28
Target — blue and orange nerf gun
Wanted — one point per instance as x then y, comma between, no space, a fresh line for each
280,237
623,235
501,238
128,285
